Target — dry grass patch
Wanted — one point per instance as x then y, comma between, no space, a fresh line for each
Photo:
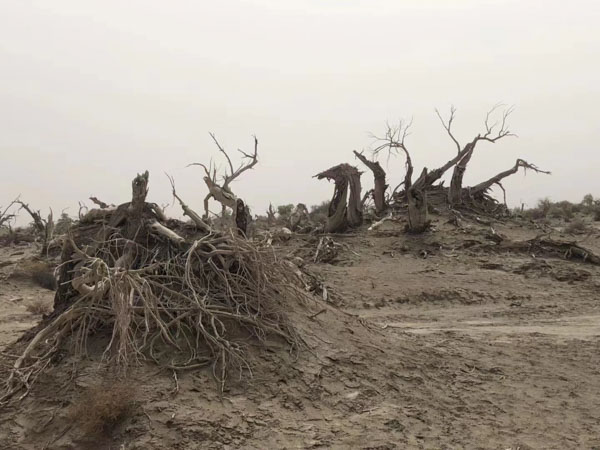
39,307
100,408
577,226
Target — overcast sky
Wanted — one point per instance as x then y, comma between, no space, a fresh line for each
92,92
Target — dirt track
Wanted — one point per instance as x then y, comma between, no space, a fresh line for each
438,346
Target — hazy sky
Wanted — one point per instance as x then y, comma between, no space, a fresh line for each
92,92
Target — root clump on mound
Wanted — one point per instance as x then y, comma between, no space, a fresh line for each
180,295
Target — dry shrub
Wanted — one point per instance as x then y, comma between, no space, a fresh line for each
39,272
577,226
44,279
100,408
38,307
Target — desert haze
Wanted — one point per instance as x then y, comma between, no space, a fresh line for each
299,224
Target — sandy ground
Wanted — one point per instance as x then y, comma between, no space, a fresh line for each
430,343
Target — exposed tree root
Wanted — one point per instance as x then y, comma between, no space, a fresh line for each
154,287
541,246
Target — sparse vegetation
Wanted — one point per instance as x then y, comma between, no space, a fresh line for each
565,210
100,408
40,272
576,226
38,306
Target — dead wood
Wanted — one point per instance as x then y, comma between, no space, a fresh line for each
5,215
345,208
222,192
187,211
542,246
299,217
180,300
394,141
271,217
483,187
418,220
380,185
466,152
100,203
43,227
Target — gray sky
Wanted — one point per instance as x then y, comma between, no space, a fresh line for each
92,92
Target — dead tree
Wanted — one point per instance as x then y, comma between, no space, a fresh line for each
415,193
299,217
43,227
222,192
478,190
394,142
345,208
465,153
380,185
187,211
5,215
271,215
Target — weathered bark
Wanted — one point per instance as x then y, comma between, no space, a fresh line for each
270,215
298,217
44,227
100,203
380,185
222,193
426,178
337,216
241,217
93,215
135,210
344,210
482,187
455,190
417,207
355,213
187,211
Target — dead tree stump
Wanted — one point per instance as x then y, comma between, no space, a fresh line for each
345,208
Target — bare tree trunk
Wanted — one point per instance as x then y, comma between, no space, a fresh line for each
336,217
380,184
135,212
270,215
355,213
241,216
455,191
418,220
428,178
344,210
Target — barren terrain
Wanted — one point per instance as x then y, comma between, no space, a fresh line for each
429,341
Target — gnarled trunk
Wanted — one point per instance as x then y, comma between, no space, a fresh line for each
455,191
379,179
344,210
418,220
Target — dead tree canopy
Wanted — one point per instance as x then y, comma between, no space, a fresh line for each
493,132
481,188
221,192
394,142
345,208
5,215
43,227
380,185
